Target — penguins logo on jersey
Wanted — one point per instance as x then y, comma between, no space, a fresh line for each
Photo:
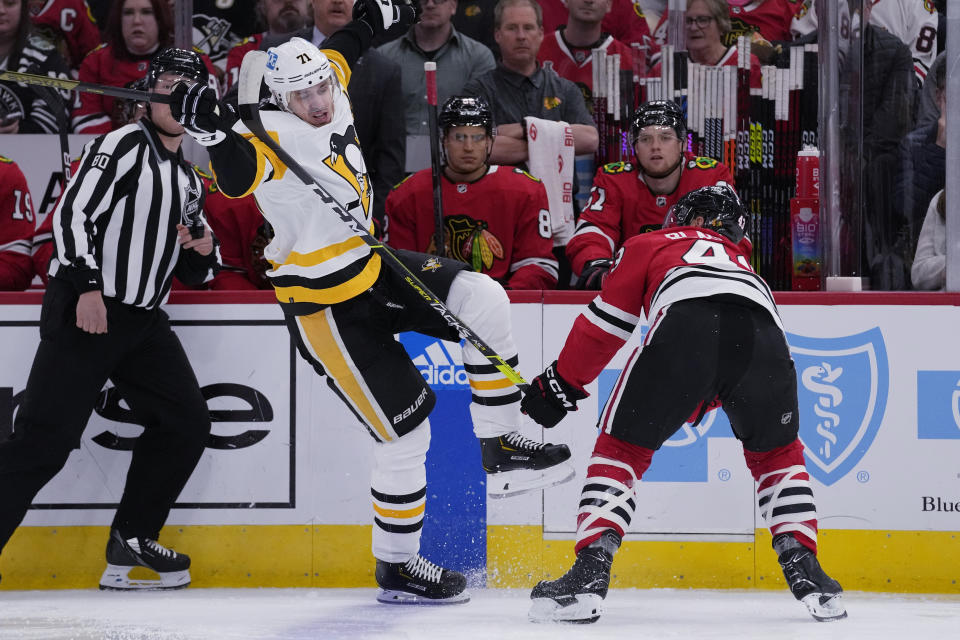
346,161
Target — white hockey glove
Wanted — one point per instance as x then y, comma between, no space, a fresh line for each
195,107
380,15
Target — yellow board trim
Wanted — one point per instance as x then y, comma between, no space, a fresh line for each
338,556
400,513
319,333
489,385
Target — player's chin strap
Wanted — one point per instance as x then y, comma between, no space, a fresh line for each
251,75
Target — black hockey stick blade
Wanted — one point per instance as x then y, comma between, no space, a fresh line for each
251,75
65,84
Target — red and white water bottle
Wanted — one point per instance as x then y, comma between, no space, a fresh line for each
806,233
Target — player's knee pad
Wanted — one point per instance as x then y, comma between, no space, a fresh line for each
607,498
483,305
784,494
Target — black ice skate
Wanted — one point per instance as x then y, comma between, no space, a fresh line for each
124,555
820,593
419,581
516,464
577,596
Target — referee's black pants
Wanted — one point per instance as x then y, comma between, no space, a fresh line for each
144,359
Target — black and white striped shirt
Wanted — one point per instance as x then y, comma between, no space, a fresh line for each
114,229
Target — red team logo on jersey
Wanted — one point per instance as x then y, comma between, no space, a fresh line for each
470,242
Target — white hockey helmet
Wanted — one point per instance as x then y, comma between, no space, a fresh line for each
295,65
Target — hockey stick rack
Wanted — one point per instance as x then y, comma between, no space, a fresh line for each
251,75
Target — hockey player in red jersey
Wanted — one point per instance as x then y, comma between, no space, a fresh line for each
16,228
69,24
625,20
629,199
715,338
496,218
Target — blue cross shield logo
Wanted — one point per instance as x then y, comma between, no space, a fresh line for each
842,391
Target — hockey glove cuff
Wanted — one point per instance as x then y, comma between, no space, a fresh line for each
195,107
549,398
591,278
380,15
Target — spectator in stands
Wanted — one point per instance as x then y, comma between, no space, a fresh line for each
626,21
459,59
570,48
927,108
707,25
929,270
922,168
474,18
914,22
629,199
496,218
135,31
219,25
69,26
16,228
519,86
22,109
280,17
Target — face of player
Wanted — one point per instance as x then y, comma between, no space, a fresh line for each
658,151
519,37
702,30
466,149
313,105
285,16
139,27
9,19
330,15
437,13
588,11
160,113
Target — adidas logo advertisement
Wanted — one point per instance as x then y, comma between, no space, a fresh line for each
440,362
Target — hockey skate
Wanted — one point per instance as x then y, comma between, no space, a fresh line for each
577,596
419,581
516,464
820,593
124,555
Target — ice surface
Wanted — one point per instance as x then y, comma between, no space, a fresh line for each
493,614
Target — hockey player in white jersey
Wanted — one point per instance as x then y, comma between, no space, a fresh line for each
343,306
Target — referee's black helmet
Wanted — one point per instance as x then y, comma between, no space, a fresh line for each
179,61
719,207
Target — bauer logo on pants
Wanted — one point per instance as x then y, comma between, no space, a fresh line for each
842,391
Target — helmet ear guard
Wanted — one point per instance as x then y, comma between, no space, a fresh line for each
719,206
293,66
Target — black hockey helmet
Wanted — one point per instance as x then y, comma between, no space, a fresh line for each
466,111
720,208
180,61
662,113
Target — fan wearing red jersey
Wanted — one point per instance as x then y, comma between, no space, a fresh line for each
16,228
625,21
770,18
715,335
629,199
496,217
570,47
68,24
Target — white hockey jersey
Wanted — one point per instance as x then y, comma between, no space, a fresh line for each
316,257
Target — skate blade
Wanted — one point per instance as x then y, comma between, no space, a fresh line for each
402,597
582,608
116,578
515,483
825,608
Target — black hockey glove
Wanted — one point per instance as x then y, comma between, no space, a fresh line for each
380,15
592,275
195,106
549,398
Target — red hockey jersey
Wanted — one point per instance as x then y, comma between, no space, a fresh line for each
67,23
771,18
16,228
499,224
650,273
625,22
243,233
576,64
621,206
102,114
235,57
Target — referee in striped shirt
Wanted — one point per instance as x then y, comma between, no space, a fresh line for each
129,220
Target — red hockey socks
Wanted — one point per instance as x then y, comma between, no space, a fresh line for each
606,501
784,493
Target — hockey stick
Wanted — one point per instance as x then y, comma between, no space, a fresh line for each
251,73
59,108
439,245
65,84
